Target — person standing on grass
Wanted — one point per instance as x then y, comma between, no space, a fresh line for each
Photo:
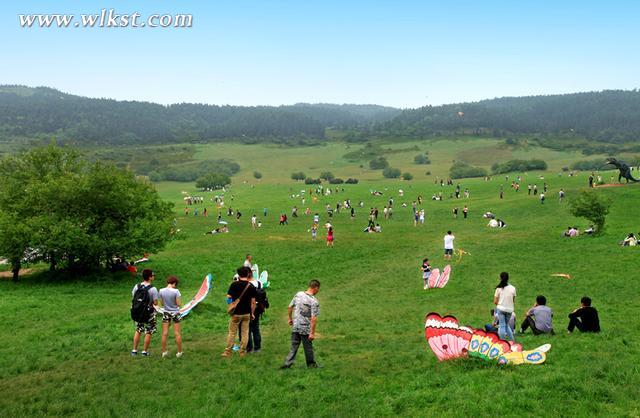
254,222
314,232
303,317
585,318
542,198
170,298
245,293
330,237
539,318
448,245
426,272
254,345
465,211
147,322
504,298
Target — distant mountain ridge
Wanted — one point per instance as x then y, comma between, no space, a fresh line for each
45,112
609,116
42,112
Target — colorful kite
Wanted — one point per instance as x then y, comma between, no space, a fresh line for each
448,340
199,297
437,279
460,252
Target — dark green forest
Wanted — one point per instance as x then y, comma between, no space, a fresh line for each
607,116
611,116
44,112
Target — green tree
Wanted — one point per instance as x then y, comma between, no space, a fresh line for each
257,175
213,181
298,176
461,169
327,175
407,176
421,159
55,207
378,163
591,206
391,173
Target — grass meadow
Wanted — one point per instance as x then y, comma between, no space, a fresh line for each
66,341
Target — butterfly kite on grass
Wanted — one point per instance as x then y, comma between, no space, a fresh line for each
448,340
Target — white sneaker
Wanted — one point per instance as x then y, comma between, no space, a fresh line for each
179,354
165,354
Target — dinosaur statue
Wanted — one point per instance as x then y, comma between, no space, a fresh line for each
625,170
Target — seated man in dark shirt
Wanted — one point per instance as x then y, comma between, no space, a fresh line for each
585,318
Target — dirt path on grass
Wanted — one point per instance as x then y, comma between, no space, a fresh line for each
8,274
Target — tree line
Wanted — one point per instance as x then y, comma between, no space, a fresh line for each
44,112
608,116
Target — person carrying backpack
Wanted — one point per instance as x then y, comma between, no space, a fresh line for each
145,298
254,345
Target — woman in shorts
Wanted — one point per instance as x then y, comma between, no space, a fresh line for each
170,298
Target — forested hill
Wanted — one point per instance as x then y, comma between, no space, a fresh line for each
611,116
44,112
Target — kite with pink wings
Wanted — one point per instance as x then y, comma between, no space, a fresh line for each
449,340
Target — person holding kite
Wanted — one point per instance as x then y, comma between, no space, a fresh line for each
170,298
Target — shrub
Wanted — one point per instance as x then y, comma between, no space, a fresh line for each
309,180
460,170
591,206
378,163
391,173
298,176
518,165
588,165
213,181
421,159
336,181
407,176
327,175
257,174
351,181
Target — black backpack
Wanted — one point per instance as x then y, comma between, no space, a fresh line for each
262,302
141,306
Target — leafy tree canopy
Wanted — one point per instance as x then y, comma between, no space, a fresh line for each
56,207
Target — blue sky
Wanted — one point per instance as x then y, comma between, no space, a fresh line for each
398,53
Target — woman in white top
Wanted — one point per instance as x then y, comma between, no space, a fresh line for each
504,298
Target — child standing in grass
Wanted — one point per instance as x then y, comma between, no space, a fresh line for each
170,298
426,272
314,232
330,237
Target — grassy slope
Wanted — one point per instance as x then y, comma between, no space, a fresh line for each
65,345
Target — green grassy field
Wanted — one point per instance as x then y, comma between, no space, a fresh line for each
66,341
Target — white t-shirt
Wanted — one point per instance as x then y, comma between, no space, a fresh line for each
448,242
506,297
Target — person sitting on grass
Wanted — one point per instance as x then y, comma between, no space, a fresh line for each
170,298
629,241
539,318
585,318
493,327
222,230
